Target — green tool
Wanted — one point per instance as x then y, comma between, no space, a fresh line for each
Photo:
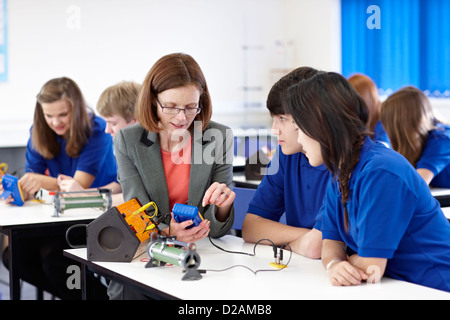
67,200
164,250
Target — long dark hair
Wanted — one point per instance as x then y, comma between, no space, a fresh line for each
274,101
329,110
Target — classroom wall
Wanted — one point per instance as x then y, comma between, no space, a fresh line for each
243,47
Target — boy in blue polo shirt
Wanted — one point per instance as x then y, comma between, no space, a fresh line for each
116,106
291,185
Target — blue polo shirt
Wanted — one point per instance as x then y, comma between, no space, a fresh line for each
293,186
392,215
96,158
380,134
436,156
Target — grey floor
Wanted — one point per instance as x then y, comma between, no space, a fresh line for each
28,292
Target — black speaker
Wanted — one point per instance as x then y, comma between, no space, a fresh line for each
110,238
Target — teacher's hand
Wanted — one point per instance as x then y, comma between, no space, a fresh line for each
219,194
189,235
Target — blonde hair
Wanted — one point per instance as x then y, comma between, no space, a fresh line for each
120,99
407,117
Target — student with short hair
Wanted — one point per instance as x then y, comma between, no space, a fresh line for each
415,132
377,206
291,185
117,106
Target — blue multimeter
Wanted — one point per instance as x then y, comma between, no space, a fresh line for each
11,187
183,212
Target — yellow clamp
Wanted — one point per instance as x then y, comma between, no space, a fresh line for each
3,168
144,207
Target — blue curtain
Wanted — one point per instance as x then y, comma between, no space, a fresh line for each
407,44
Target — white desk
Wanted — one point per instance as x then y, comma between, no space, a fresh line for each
240,181
442,195
32,213
437,192
36,219
446,211
239,161
303,279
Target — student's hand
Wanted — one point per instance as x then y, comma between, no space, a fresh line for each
11,199
30,183
189,235
68,184
342,273
219,194
373,267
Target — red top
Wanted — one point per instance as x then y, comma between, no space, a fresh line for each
177,167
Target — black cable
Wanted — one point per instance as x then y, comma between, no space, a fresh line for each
250,254
245,253
160,219
67,235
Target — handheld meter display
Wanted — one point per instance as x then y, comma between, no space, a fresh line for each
11,187
183,212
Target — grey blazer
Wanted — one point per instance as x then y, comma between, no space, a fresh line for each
141,172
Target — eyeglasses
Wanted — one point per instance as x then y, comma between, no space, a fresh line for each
173,110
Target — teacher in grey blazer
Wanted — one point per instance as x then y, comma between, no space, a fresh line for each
176,154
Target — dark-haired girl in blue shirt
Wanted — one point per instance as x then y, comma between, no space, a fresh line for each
379,215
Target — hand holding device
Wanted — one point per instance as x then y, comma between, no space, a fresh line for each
183,212
187,224
12,188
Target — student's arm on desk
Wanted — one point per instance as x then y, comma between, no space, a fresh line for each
426,174
347,271
84,179
68,184
305,242
32,182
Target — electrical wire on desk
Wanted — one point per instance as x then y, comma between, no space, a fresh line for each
277,255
